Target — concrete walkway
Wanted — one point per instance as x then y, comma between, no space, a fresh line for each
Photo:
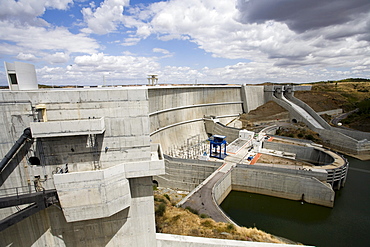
202,199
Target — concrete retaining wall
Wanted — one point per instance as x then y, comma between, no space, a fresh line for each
344,143
358,135
185,174
267,181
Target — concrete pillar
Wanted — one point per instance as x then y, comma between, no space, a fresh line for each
141,213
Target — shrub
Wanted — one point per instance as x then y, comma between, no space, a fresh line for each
207,223
176,217
191,210
161,209
309,137
167,196
204,216
230,227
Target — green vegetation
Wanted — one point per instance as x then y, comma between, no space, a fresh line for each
167,197
360,117
161,209
204,216
301,132
348,94
191,210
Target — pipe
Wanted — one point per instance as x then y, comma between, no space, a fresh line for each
26,134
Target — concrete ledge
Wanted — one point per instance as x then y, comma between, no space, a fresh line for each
193,106
67,128
92,194
169,240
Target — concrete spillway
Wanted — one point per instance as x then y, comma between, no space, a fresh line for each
303,113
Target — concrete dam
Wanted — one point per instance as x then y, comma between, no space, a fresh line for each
79,163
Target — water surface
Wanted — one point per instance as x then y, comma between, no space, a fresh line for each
347,224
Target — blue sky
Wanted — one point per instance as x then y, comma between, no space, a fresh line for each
81,42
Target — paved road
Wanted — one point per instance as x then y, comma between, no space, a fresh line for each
203,202
342,116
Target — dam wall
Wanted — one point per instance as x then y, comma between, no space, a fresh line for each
185,174
176,113
279,183
253,97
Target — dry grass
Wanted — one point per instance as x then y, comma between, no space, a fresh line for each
182,222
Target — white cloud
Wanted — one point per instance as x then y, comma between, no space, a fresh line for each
38,39
29,11
58,57
160,50
105,18
214,27
26,57
58,4
277,47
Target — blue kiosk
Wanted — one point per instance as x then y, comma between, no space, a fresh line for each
215,146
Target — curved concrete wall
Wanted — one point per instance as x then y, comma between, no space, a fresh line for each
176,113
308,154
272,182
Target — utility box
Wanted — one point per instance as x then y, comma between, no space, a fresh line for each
246,134
216,145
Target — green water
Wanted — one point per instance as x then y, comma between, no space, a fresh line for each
347,224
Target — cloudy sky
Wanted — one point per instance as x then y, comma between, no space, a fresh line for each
87,42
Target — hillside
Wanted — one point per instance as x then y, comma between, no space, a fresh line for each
347,95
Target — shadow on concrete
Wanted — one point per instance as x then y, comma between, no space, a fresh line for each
98,232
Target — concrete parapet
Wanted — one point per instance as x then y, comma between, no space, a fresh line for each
67,128
222,188
169,240
319,174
